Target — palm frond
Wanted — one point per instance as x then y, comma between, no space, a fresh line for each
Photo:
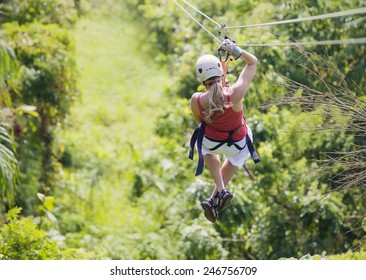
8,70
8,166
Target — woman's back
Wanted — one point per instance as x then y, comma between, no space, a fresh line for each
222,123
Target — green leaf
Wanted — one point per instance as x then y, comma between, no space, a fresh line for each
363,98
48,202
41,196
51,216
299,92
13,213
364,224
31,110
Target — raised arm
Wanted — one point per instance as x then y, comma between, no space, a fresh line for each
246,76
241,85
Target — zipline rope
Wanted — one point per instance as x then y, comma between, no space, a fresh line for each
324,16
187,13
313,43
197,10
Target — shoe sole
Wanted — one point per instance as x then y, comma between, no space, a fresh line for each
226,203
208,213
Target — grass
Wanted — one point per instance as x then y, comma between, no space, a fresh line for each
111,127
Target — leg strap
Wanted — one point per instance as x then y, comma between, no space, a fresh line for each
197,136
252,151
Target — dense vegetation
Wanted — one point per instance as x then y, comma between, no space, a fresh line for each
95,123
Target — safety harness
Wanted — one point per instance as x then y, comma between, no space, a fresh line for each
197,137
229,140
199,132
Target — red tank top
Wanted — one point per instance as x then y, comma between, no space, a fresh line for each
220,126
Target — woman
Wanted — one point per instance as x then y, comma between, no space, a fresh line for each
219,112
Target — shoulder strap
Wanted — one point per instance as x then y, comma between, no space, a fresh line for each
227,91
228,98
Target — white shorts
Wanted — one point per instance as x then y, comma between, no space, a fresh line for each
236,157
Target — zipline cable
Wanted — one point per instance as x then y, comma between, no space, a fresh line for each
197,10
187,13
324,16
313,43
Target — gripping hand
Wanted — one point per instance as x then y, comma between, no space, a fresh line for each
234,50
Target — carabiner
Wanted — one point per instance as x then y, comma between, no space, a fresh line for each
226,54
222,53
223,26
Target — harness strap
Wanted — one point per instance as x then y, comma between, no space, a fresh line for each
251,149
197,136
229,141
224,142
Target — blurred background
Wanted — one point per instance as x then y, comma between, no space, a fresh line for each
95,126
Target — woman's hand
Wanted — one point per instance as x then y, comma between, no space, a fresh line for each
234,50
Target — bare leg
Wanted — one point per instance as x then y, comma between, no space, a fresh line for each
227,171
214,166
220,175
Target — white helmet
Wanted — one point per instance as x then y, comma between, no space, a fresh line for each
208,66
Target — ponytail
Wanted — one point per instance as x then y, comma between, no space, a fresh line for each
216,102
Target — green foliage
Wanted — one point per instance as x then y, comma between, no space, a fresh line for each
349,256
47,81
200,243
8,70
290,203
46,53
8,163
123,187
360,254
22,240
348,57
42,11
8,167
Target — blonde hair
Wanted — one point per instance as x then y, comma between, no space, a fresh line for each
216,101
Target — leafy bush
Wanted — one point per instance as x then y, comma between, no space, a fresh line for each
46,53
8,72
48,82
22,240
8,163
43,11
278,201
349,255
